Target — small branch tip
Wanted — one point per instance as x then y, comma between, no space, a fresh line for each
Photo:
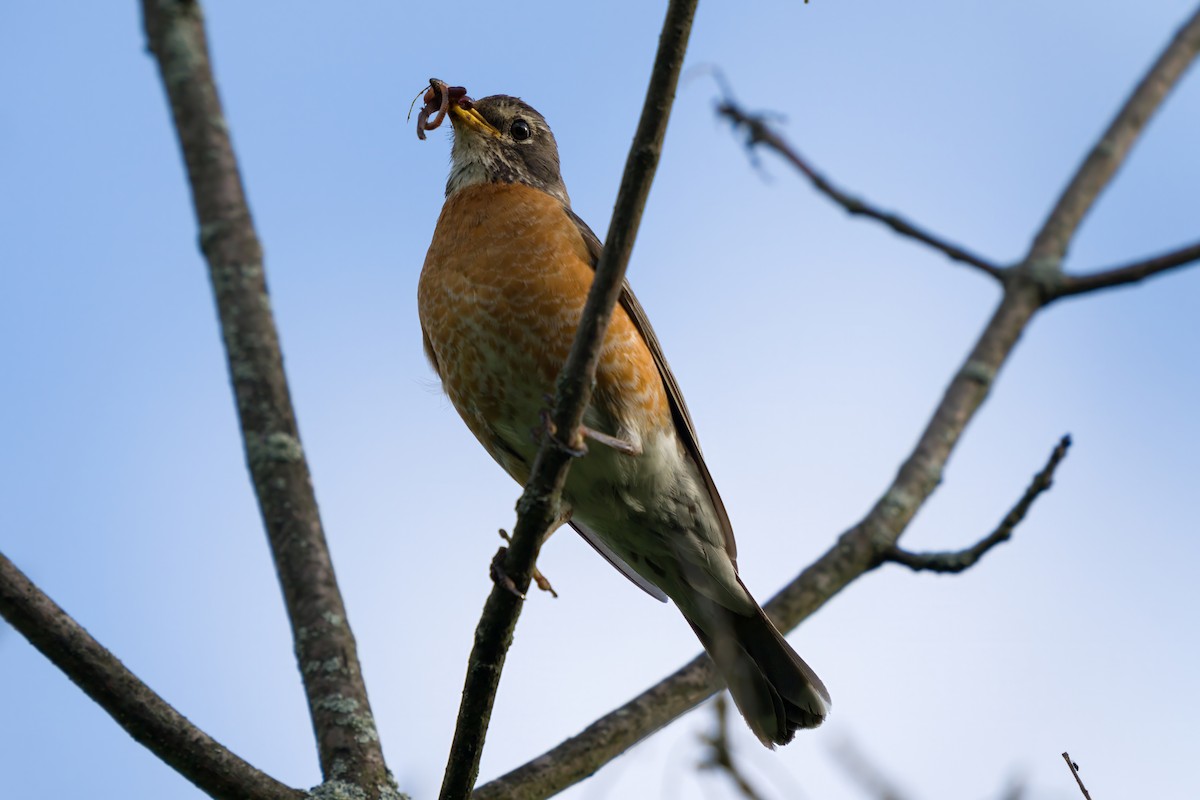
950,562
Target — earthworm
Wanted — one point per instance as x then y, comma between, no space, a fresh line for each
437,101
421,123
438,91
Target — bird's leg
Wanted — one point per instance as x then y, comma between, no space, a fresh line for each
615,442
620,445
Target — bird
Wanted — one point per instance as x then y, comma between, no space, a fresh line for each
499,297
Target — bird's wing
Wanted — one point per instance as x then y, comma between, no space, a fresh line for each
598,544
679,410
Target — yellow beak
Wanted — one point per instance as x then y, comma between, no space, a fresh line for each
472,119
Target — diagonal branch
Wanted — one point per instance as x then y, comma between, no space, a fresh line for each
959,560
337,698
538,508
719,752
132,704
856,551
1050,243
1128,273
863,771
760,133
1075,771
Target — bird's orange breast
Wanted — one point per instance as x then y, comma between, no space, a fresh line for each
500,297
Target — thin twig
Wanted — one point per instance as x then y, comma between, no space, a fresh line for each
720,752
959,560
1075,771
855,553
131,703
1128,273
337,698
761,133
538,507
870,778
1106,156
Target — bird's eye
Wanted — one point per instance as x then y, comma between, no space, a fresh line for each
520,130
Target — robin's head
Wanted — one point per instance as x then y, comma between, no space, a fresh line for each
501,139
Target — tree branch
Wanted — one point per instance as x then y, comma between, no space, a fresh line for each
131,703
1075,771
960,560
1050,244
538,508
870,778
855,552
720,752
1128,273
760,133
325,648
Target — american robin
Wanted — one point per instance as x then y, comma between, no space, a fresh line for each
500,297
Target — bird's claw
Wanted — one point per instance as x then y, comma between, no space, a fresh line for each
543,583
548,428
501,577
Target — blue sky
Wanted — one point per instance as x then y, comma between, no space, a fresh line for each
811,348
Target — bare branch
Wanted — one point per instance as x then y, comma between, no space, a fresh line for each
325,649
580,756
960,560
131,703
720,752
867,775
1050,244
1075,771
760,133
1128,273
538,508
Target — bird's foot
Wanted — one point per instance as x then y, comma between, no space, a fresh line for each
500,577
543,583
574,449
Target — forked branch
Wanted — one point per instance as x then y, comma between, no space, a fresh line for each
1110,151
960,560
759,132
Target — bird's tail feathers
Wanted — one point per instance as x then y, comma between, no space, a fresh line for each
773,688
